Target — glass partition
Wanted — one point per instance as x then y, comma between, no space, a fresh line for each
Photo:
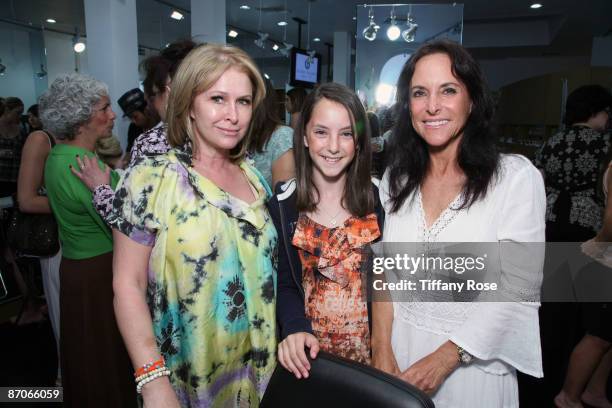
387,35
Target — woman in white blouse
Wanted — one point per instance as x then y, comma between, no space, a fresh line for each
447,183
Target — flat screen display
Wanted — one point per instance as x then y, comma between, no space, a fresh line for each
305,71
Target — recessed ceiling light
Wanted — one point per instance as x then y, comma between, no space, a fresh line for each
51,21
176,15
245,7
536,6
354,18
316,39
282,23
232,33
275,47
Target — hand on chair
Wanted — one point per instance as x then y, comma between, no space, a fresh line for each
292,355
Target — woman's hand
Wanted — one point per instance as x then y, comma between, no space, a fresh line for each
159,393
90,173
292,356
429,373
384,360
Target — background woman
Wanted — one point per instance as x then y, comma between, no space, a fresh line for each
31,196
194,276
447,183
34,122
95,365
294,103
324,219
571,162
11,143
590,362
272,142
159,71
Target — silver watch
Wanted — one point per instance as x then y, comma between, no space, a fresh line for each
463,356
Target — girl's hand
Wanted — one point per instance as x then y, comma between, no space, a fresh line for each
292,356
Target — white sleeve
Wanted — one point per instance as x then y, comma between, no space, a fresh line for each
510,331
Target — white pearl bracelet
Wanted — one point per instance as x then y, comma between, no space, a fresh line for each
151,378
145,375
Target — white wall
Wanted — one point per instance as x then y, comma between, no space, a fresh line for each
61,56
19,78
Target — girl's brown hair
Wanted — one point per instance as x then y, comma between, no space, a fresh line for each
358,197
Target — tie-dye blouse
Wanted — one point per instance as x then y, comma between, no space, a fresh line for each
212,278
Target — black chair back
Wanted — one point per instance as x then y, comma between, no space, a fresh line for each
337,383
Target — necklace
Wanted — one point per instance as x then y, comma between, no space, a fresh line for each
332,220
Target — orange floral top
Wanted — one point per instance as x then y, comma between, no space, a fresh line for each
335,297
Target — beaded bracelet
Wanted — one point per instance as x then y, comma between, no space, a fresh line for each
150,378
145,375
150,367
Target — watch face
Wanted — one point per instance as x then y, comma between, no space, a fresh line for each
464,356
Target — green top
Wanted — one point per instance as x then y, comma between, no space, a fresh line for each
82,232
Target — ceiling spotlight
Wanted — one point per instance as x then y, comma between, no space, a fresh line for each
51,21
261,40
316,39
232,34
275,47
42,73
77,44
245,7
267,76
370,31
311,55
79,47
409,33
281,23
286,52
176,15
354,18
393,32
536,6
2,68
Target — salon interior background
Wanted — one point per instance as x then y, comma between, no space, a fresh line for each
520,48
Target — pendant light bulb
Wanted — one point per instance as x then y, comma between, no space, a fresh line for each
371,30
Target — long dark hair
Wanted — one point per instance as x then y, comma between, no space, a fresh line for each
478,156
158,68
265,120
357,198
296,98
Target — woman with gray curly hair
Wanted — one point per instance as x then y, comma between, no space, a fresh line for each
95,365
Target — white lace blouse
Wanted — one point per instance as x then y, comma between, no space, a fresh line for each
501,335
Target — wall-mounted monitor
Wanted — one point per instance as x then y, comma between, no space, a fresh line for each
305,71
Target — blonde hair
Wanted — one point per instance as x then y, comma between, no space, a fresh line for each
108,149
200,69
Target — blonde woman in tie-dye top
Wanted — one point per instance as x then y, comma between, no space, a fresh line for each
194,270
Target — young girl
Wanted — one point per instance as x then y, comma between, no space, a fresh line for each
325,217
